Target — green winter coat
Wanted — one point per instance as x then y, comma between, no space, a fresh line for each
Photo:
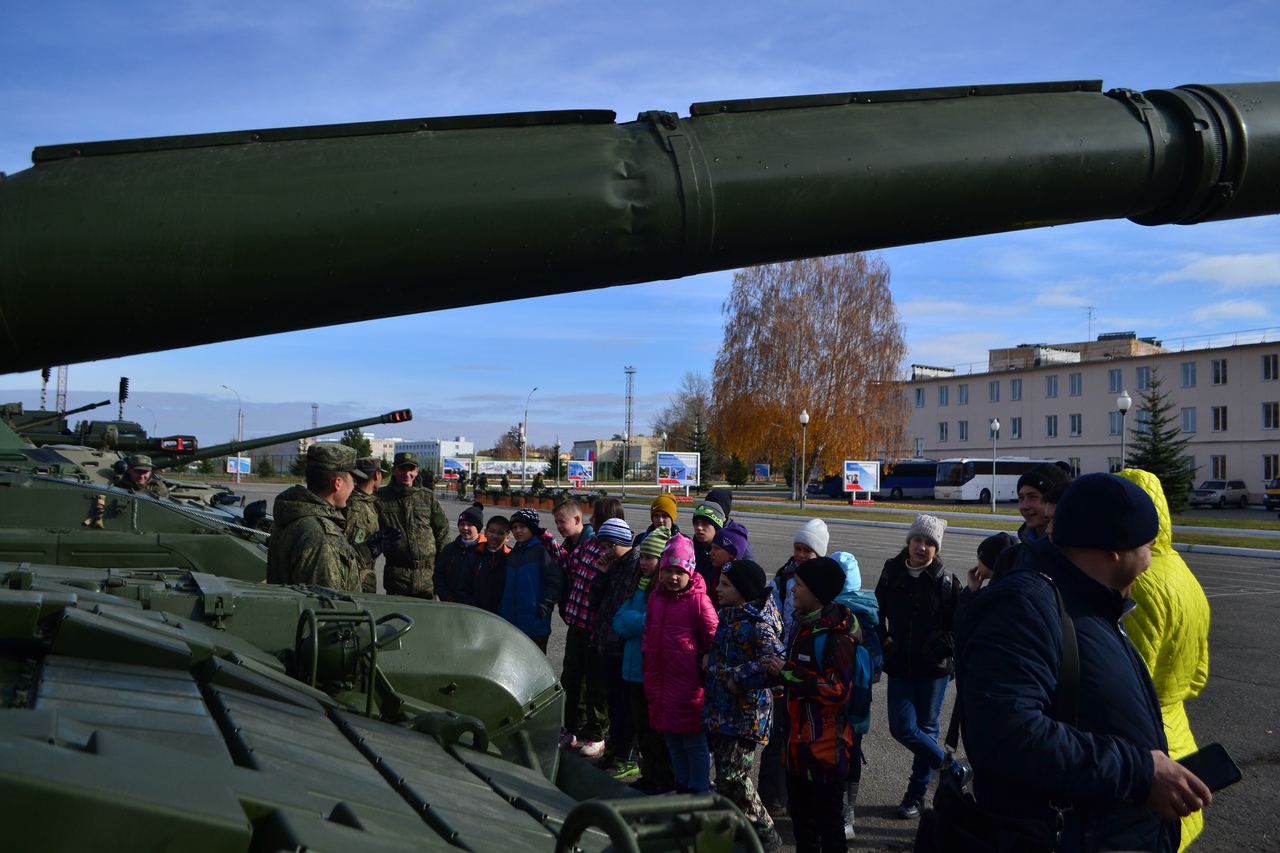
424,531
308,545
362,521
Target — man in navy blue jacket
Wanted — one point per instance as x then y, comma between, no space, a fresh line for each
1113,768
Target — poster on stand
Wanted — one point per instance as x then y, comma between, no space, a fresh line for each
581,471
679,469
861,478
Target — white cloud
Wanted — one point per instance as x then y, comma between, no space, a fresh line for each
1228,271
1232,309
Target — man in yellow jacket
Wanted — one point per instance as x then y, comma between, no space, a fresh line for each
1170,630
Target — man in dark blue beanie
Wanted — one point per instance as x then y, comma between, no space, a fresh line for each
1110,759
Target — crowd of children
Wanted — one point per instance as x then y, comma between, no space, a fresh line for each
683,657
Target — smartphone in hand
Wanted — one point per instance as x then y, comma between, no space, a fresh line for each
1213,766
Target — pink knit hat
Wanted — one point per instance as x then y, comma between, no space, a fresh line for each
679,553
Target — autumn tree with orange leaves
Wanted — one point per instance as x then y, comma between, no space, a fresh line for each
820,335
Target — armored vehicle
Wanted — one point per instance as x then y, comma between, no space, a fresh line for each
175,709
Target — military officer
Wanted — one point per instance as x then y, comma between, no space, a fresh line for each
362,518
308,544
139,476
423,525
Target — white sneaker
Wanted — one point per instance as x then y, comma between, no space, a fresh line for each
590,748
567,739
848,831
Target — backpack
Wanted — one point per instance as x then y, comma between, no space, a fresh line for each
870,636
857,709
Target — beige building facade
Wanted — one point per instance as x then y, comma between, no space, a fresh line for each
1060,401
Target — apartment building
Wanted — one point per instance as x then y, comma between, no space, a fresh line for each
1060,401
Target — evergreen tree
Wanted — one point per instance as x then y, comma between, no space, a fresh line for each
298,467
205,467
355,438
738,471
263,468
702,445
1158,445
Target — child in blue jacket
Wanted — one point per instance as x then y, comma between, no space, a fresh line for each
533,580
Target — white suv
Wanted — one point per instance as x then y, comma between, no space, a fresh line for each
1221,493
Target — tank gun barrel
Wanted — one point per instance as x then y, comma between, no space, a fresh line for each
532,204
235,447
58,416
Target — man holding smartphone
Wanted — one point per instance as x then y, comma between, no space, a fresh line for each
1110,770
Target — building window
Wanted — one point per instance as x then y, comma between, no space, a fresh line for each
1077,384
962,431
1271,415
1073,462
993,391
1188,374
1051,386
944,395
1115,423
1144,378
1219,420
1015,389
1051,426
1015,428
963,394
919,398
1219,371
1142,423
1113,464
1190,463
1189,419
1270,466
1218,466
1270,369
942,431
919,448
1076,424
1114,382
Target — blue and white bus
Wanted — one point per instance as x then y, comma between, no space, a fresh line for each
907,478
969,478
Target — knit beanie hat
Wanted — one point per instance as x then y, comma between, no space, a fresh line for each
824,577
1104,511
1044,477
930,527
473,514
679,552
991,547
529,518
712,512
852,574
723,498
814,535
732,539
747,578
654,541
615,531
664,503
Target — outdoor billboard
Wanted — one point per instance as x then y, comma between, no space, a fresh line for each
582,470
861,477
678,469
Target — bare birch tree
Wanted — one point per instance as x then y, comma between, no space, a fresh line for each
820,335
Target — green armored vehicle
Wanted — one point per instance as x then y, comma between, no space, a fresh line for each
177,709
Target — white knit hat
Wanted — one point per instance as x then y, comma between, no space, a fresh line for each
813,534
930,527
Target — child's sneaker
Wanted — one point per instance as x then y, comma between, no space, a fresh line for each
590,748
624,768
567,739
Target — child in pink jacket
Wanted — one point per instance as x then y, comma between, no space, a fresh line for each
679,627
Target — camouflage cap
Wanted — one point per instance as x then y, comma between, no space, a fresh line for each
140,463
371,465
407,458
332,456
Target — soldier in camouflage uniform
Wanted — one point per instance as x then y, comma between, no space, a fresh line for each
424,529
139,476
362,519
308,545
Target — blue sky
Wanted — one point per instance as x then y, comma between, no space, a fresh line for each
79,71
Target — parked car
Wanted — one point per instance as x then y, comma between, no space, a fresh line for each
1220,493
1271,500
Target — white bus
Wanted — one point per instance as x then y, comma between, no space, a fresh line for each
968,478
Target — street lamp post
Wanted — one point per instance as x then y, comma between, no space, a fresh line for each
524,439
804,428
626,457
1123,402
995,433
154,428
239,427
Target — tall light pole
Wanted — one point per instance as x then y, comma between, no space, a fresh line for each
664,442
626,455
804,471
239,427
995,433
524,439
154,428
1123,402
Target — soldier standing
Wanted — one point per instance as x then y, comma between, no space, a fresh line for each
362,519
139,476
423,526
308,544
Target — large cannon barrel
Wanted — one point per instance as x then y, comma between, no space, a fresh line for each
232,235
231,448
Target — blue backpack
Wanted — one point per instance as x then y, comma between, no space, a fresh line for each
857,709
870,636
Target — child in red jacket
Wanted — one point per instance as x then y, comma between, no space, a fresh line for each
818,746
679,627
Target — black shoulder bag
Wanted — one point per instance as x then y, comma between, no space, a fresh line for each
956,824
